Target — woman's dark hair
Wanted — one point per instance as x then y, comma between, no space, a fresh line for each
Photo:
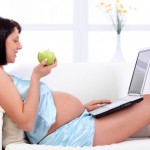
7,26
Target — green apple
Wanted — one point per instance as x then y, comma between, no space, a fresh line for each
46,54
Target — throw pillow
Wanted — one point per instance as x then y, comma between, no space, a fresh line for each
11,133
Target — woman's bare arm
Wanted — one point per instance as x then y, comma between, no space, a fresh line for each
23,114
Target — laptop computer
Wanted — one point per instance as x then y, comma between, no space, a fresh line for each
136,87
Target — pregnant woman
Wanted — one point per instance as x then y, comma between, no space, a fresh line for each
58,118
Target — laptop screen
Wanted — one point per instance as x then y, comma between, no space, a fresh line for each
140,72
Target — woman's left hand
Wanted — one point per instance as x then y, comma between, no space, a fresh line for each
95,104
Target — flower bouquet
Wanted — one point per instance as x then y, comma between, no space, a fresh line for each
116,12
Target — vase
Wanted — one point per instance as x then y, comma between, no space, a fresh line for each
118,56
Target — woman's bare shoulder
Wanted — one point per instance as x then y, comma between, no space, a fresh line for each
9,95
4,78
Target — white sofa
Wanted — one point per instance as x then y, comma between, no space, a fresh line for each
87,81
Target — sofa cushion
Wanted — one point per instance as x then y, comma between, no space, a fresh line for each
136,144
11,133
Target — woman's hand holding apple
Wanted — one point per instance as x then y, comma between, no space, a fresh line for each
42,69
47,61
46,54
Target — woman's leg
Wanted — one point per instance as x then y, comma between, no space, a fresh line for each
122,124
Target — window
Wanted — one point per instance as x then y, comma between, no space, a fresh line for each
47,24
102,39
76,30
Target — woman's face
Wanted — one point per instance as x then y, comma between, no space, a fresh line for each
12,46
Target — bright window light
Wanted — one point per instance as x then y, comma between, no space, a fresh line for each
76,30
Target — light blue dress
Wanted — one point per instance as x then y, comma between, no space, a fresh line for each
78,132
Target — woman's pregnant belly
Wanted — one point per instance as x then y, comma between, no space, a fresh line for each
68,108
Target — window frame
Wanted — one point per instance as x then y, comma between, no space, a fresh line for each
81,28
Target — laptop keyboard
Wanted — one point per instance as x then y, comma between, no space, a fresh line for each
120,101
115,105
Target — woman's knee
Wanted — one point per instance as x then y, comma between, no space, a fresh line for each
146,97
146,100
